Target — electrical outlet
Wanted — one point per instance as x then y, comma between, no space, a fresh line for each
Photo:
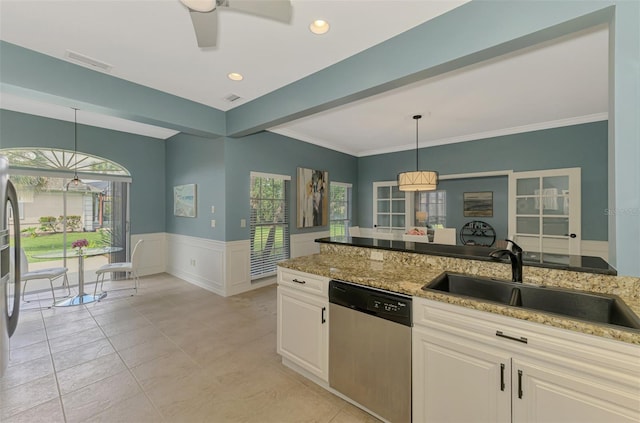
213,209
213,223
192,262
243,223
377,255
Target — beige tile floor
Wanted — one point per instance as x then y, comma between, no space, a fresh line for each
172,353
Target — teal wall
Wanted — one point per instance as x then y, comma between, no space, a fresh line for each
498,185
474,32
200,161
143,157
272,153
582,146
220,168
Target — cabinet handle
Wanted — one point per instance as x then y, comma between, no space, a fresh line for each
300,282
520,384
322,315
502,386
513,338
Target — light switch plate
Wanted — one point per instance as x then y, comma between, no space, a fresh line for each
213,223
243,223
213,209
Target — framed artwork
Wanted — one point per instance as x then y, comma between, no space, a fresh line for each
184,200
478,204
313,198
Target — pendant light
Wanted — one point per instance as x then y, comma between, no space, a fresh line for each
418,180
75,181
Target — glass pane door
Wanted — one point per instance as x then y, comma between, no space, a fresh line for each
544,210
390,207
93,213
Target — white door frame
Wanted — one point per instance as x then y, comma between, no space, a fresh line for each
574,237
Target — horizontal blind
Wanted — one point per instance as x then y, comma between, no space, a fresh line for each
340,208
269,223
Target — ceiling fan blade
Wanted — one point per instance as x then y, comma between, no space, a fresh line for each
206,26
279,10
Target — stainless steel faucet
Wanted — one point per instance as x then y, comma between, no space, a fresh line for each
514,252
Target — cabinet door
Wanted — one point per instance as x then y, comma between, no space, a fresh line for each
303,330
457,381
542,394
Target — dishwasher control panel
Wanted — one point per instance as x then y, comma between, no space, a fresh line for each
388,306
384,304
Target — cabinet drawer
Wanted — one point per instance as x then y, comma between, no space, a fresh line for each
610,362
306,282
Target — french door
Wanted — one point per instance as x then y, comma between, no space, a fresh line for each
544,210
390,206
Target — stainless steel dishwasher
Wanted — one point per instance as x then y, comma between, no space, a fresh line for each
370,348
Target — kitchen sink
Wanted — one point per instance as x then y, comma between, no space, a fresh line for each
589,306
474,287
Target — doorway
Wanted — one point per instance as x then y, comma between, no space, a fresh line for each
54,213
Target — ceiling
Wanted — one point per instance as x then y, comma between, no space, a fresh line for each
151,42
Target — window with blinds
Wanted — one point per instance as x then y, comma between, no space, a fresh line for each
269,223
340,206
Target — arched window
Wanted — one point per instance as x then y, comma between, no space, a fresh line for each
64,160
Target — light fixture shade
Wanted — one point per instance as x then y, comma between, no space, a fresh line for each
419,180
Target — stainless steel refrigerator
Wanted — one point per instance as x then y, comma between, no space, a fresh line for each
9,266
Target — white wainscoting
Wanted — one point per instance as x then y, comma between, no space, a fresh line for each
198,261
304,244
237,267
595,249
152,254
220,267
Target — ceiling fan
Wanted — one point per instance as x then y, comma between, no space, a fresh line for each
204,14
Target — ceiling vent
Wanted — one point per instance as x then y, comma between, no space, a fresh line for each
88,61
232,97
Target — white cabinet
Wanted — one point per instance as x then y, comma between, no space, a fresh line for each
564,395
476,366
303,321
456,381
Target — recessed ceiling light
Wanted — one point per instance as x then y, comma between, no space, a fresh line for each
319,26
234,76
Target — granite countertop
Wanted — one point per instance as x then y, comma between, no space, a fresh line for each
397,276
574,263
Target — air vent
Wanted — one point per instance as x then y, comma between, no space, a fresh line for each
88,61
232,97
